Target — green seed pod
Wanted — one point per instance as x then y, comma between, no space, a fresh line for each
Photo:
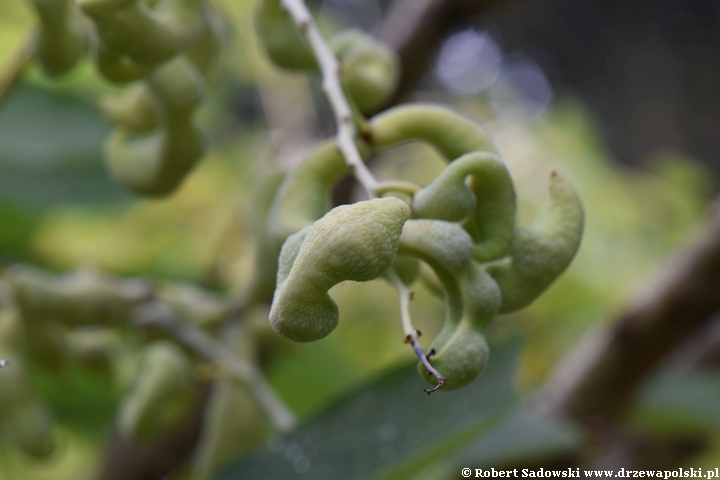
407,268
451,133
163,394
282,41
490,197
84,297
156,164
116,67
62,38
369,70
135,110
353,242
304,195
147,36
471,295
461,352
541,251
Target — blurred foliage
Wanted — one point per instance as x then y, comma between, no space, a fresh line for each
59,209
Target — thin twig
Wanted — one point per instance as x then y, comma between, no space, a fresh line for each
330,67
14,69
159,315
411,333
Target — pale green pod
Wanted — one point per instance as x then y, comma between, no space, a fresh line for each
81,298
147,36
541,251
352,242
155,164
282,41
135,110
460,350
62,38
407,268
452,133
163,395
116,67
369,70
304,195
488,199
472,298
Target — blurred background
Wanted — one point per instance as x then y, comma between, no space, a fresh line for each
621,96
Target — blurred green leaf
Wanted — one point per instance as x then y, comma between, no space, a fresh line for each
52,149
525,437
680,402
387,428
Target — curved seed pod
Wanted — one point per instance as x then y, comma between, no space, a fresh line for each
84,297
369,69
154,165
304,195
472,298
147,36
354,242
451,133
490,197
163,394
541,251
407,268
281,39
115,67
62,39
461,353
135,110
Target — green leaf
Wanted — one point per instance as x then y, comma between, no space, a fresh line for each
52,149
387,428
524,438
680,402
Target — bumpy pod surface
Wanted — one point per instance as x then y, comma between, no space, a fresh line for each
543,250
156,164
489,200
472,298
459,139
304,195
369,69
354,242
162,395
62,38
